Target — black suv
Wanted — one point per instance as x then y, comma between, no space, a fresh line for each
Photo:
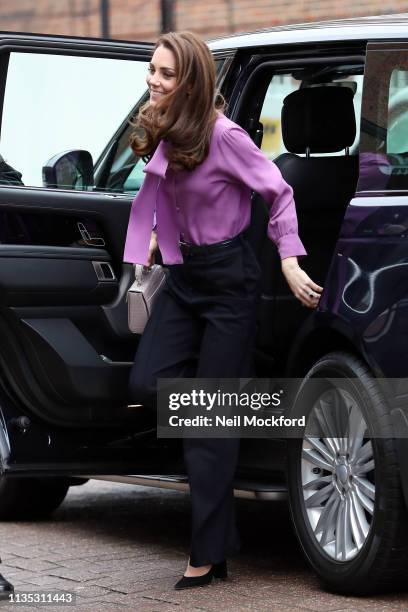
328,103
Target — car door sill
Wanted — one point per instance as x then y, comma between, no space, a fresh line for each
242,488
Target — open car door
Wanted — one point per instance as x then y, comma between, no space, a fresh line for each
65,348
66,187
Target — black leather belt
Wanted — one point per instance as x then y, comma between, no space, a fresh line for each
200,249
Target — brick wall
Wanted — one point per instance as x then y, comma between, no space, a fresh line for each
140,19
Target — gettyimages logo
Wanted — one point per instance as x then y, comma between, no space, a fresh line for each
223,408
208,400
316,408
213,401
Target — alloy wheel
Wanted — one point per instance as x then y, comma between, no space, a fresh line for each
338,470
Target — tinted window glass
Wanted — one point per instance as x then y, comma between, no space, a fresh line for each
384,127
56,103
281,86
120,170
397,132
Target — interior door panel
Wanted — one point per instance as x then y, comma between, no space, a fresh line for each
66,349
55,276
64,302
75,370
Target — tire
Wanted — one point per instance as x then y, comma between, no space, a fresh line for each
30,498
350,518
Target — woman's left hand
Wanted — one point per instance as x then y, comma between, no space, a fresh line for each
301,285
153,246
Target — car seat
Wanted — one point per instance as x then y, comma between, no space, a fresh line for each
319,120
314,120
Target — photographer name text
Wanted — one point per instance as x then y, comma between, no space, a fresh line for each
236,421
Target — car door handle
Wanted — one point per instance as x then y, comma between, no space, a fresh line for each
104,271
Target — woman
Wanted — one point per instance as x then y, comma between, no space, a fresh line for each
198,182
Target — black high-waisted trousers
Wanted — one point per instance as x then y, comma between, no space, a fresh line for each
203,325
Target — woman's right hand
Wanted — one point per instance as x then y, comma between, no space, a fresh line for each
152,249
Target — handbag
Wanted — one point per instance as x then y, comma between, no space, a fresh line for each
142,295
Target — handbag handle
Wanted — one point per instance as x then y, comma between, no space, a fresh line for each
141,270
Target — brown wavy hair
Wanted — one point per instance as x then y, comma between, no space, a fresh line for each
185,117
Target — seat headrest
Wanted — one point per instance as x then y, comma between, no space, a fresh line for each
321,118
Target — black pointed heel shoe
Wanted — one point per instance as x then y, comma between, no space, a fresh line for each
218,570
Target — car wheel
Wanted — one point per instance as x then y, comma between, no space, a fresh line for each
344,484
30,498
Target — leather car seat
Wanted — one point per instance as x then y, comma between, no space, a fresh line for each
319,120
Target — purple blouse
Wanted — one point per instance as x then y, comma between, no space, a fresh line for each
212,202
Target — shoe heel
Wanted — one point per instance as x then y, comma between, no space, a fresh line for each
219,570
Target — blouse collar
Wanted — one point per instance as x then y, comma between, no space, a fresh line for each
159,162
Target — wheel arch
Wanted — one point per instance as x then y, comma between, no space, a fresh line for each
317,338
320,340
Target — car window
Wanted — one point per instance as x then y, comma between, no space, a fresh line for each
57,103
119,169
397,128
384,142
281,86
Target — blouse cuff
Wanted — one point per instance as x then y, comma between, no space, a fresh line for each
290,245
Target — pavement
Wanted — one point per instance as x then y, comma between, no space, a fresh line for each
121,546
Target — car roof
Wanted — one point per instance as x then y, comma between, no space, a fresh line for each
360,28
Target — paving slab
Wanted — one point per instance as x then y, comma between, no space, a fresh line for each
123,547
